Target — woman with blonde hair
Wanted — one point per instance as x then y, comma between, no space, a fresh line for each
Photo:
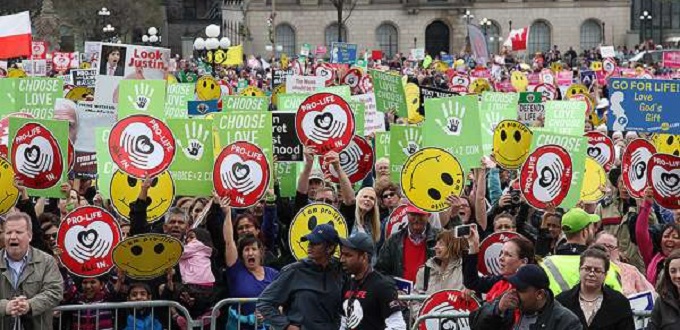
366,216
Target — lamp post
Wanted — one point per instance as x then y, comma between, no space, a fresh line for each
485,23
152,37
468,16
644,18
104,14
108,30
208,48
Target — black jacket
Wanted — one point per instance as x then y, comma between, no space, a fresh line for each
614,314
391,257
471,278
554,317
666,314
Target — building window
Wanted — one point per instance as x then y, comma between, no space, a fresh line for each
388,39
493,38
539,37
591,34
331,34
285,36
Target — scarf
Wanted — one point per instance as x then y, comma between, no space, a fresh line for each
498,289
194,265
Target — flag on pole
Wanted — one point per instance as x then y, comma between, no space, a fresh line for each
15,35
478,43
234,56
518,39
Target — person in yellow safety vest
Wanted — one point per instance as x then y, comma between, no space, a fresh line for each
579,228
563,272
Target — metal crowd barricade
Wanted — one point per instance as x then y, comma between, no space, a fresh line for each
115,308
227,303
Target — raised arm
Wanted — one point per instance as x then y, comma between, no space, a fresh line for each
230,252
480,197
303,181
644,240
346,189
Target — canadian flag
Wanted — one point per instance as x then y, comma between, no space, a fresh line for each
518,39
15,35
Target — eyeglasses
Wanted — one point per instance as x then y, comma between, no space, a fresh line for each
388,195
610,247
592,270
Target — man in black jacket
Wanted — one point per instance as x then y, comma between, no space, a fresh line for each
530,305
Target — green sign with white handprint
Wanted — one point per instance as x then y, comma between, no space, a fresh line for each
176,99
36,96
494,108
389,92
453,124
286,175
565,117
193,164
576,146
404,141
105,165
358,108
8,93
382,145
141,97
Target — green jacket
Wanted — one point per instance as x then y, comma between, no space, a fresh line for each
40,282
391,260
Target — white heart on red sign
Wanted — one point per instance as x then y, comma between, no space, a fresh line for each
490,250
356,160
663,175
601,148
446,302
352,78
397,220
548,92
142,146
36,157
634,166
326,72
4,131
241,173
545,176
366,84
325,122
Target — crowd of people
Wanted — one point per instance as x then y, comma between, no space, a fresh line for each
567,269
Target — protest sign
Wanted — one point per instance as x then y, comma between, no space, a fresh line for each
429,177
588,77
7,185
389,92
124,189
352,78
146,256
644,105
87,236
601,148
447,301
359,110
290,102
607,51
285,175
287,146
251,91
342,52
105,166
176,100
530,108
343,91
141,97
403,141
90,116
307,219
4,132
511,143
38,153
418,54
382,145
251,126
453,124
594,180
546,176
576,146
666,143
565,117
36,96
494,108
356,160
245,103
431,93
634,166
671,59
33,68
304,84
663,175
84,77
193,164
202,108
325,122
62,62
327,72
397,221
490,252
241,173
374,121
9,93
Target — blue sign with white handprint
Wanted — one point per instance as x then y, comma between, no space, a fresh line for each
344,53
644,105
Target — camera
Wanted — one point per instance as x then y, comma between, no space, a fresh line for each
515,197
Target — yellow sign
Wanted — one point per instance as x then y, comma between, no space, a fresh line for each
429,176
307,219
251,91
596,66
16,73
479,86
666,143
511,143
10,193
441,66
519,81
284,61
412,92
576,89
125,190
147,256
556,67
280,89
594,181
207,88
85,65
80,93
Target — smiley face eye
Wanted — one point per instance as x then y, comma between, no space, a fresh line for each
132,182
517,136
447,179
136,250
504,135
669,141
154,182
205,84
434,194
159,248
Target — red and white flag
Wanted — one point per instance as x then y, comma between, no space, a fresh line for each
518,39
15,35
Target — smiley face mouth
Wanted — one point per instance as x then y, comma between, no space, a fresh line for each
8,195
511,160
163,266
149,209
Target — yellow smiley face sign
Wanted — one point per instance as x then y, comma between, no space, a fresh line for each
594,181
125,190
441,66
519,81
306,220
147,256
16,73
79,93
666,143
479,86
207,88
10,193
596,66
511,143
412,92
251,91
556,67
429,176
576,89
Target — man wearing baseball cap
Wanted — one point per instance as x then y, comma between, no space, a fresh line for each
404,252
311,286
528,305
578,227
370,298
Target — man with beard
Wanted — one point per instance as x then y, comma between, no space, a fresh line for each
370,298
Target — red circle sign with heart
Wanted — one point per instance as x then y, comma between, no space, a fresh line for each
241,173
663,175
448,302
71,155
352,77
545,176
366,84
601,148
548,92
397,220
460,83
488,262
634,166
36,157
325,122
4,131
325,71
142,146
86,238
356,160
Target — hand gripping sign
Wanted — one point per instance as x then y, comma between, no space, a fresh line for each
634,166
325,122
397,221
546,175
306,220
356,160
447,302
241,173
142,146
86,238
490,252
36,157
663,175
601,148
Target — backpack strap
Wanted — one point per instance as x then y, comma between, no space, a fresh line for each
426,282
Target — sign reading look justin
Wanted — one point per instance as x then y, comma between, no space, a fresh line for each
241,173
325,122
